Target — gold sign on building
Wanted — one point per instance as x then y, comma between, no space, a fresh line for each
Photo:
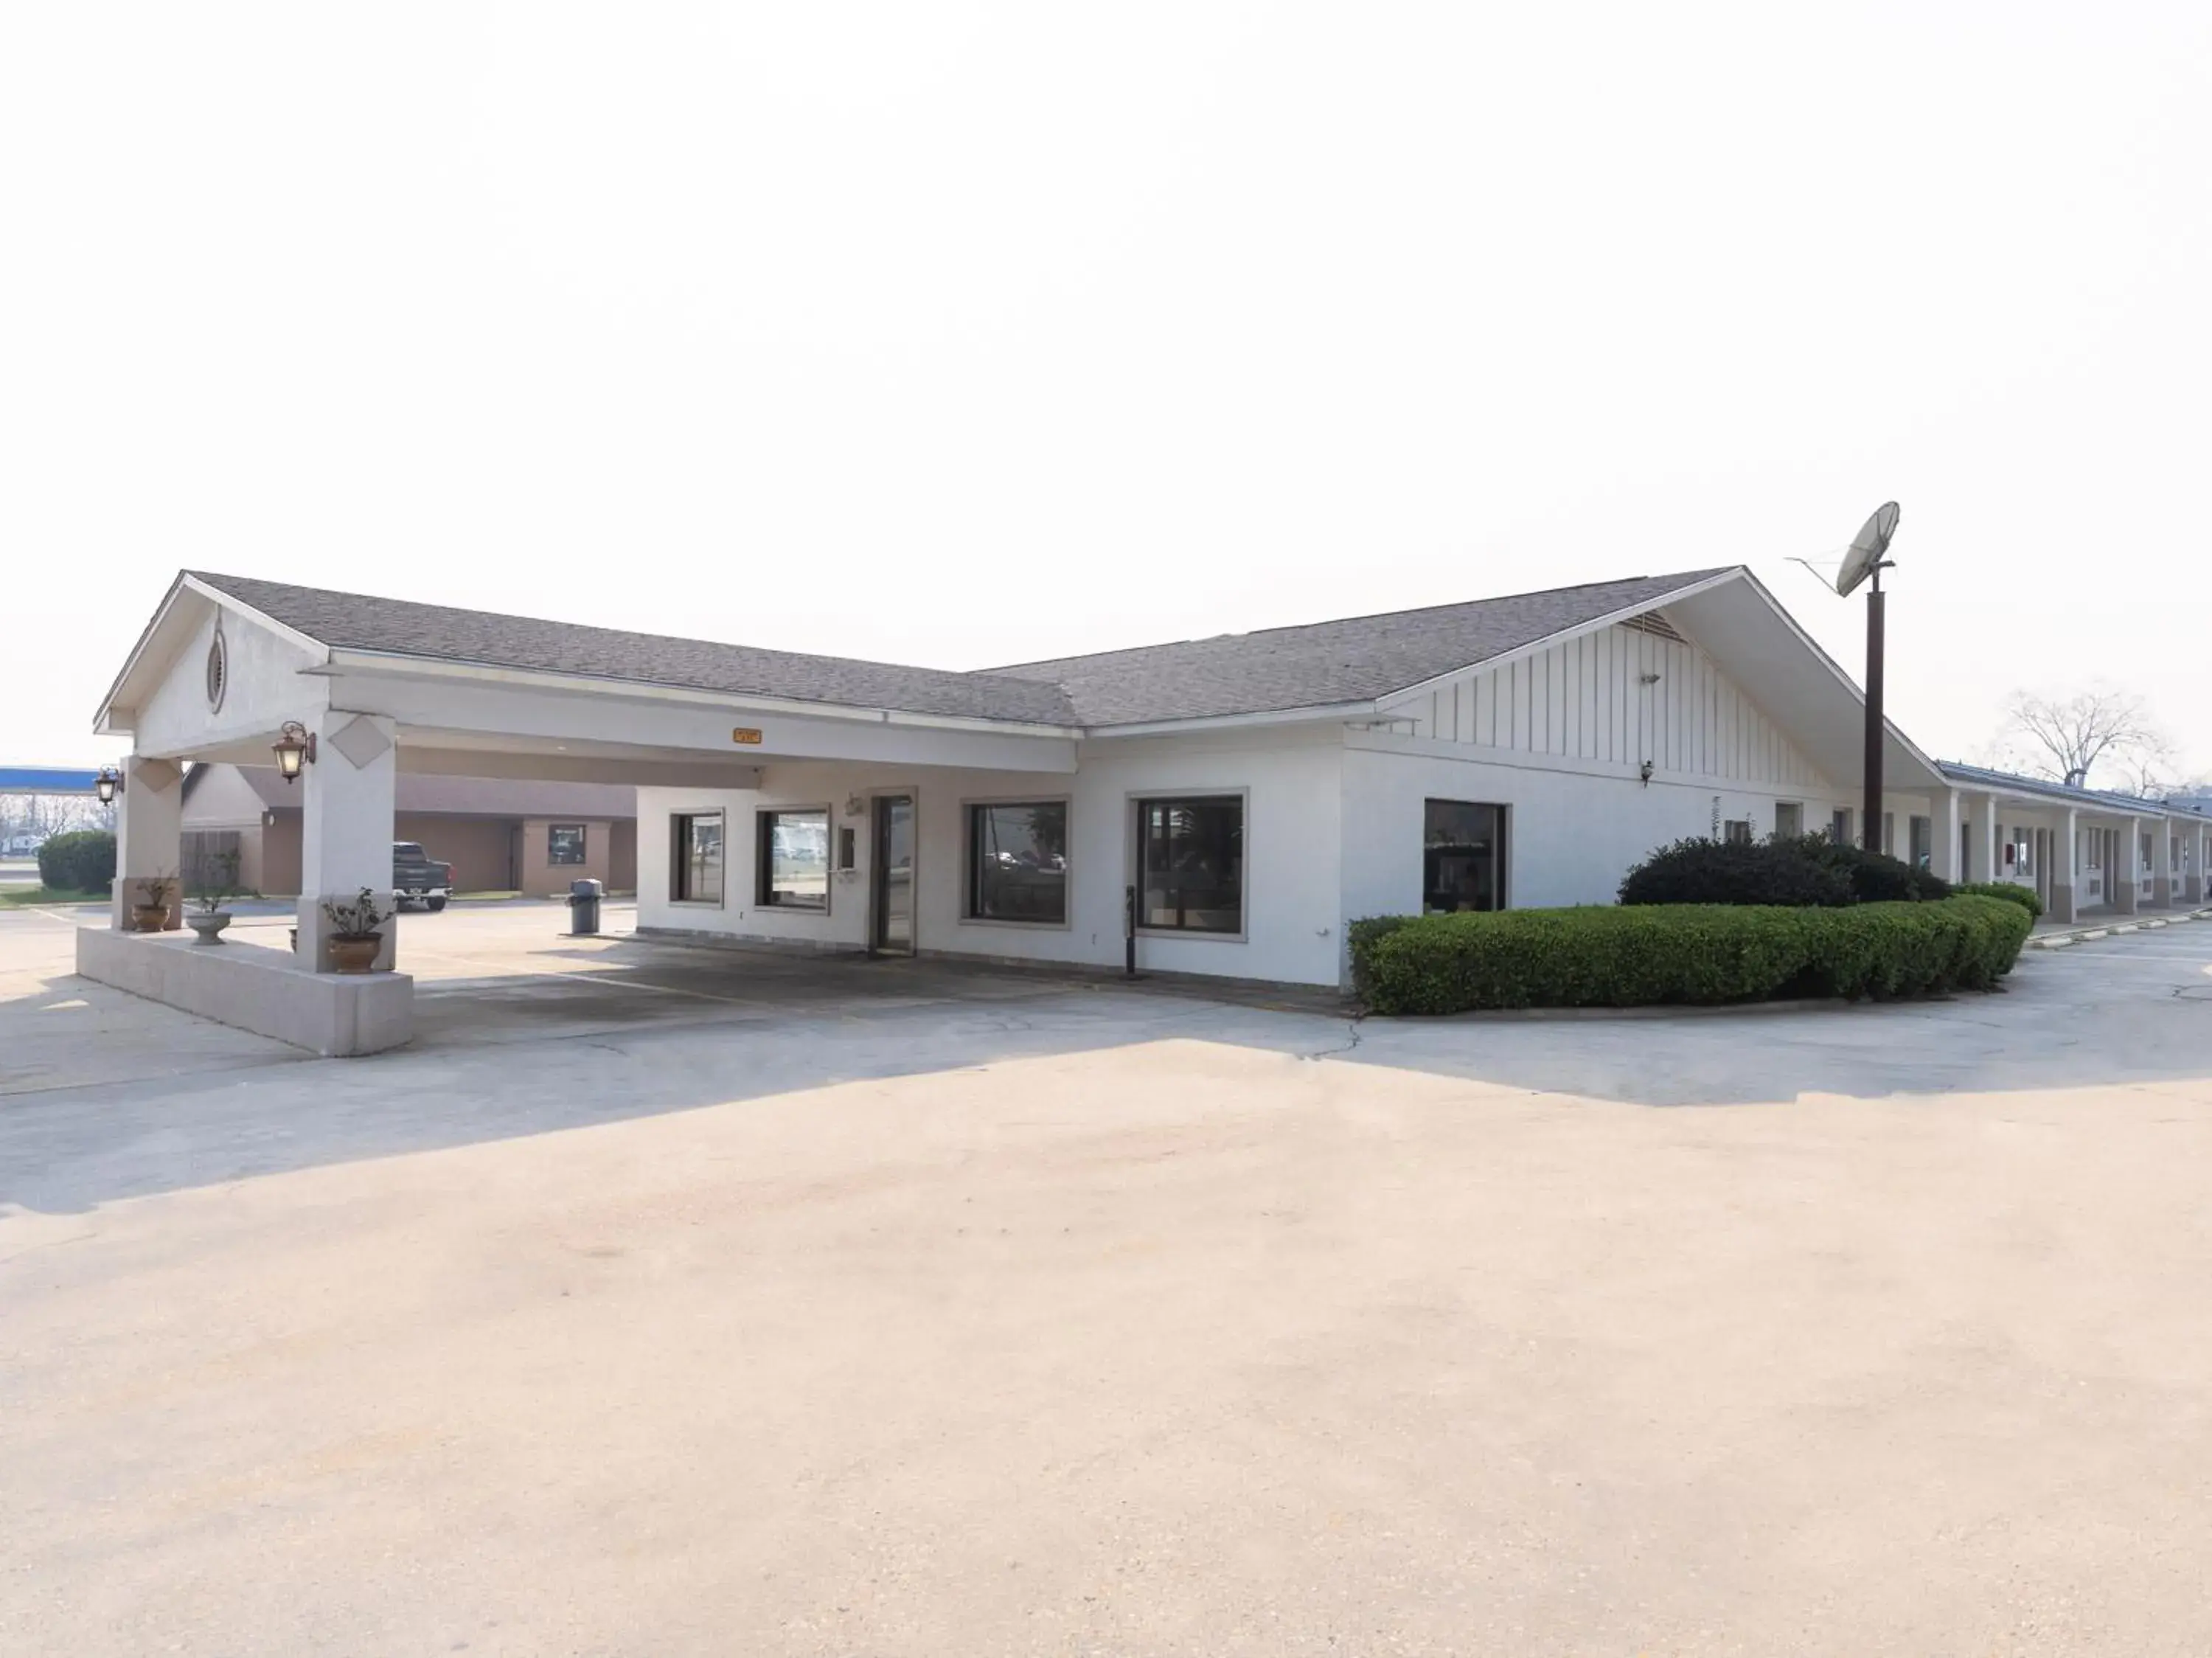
745,733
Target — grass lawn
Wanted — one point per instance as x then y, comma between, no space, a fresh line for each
18,897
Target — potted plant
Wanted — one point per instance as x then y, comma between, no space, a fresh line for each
218,886
355,936
149,910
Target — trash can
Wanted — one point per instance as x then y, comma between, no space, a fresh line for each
584,906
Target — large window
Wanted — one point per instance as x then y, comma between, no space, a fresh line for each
1839,826
564,843
695,864
1920,840
1462,856
1190,864
794,860
1790,818
1018,862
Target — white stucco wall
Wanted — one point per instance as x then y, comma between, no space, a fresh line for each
1572,830
1292,920
263,687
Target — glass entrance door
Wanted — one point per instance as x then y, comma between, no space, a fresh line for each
893,880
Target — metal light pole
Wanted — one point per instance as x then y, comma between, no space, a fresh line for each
1872,837
1865,560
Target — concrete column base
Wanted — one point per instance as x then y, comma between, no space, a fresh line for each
2061,908
2127,897
2192,890
2161,892
313,949
263,990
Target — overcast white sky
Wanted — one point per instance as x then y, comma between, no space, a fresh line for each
964,334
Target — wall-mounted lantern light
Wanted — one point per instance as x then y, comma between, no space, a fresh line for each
295,747
107,785
1644,771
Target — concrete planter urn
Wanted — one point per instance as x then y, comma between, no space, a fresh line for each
355,955
149,905
356,933
209,924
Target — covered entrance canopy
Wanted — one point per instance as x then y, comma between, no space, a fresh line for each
375,687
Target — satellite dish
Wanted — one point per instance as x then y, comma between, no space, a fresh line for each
1868,547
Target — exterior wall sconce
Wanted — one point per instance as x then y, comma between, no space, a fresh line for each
1644,771
294,748
107,785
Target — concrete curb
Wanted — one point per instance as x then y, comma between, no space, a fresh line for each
2083,934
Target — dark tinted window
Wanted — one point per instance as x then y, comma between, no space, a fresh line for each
695,873
1018,862
1462,856
1191,864
564,843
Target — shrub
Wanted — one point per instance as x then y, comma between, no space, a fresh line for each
1794,869
1874,877
2023,896
1636,956
1704,871
81,861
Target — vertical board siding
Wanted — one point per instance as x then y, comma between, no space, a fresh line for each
1587,699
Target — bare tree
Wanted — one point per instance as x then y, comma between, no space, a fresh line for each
51,815
2064,738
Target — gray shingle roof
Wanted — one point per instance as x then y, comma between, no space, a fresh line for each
352,621
1321,664
1353,661
1960,772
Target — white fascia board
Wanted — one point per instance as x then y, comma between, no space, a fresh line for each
1851,686
106,721
1329,712
397,665
1537,647
313,647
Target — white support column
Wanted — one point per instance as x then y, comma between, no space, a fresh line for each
2127,872
148,837
1985,840
1946,829
2063,869
2161,864
346,828
2195,892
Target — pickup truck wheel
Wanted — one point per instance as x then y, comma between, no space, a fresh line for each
434,903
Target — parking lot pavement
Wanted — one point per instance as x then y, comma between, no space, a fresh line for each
943,1314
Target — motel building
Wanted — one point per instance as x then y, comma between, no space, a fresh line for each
1227,805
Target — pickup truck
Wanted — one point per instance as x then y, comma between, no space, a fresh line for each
418,878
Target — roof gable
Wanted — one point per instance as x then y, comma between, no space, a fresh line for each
1360,658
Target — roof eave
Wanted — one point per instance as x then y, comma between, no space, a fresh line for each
407,665
1537,647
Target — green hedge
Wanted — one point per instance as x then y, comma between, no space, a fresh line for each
1633,956
81,860
2023,896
